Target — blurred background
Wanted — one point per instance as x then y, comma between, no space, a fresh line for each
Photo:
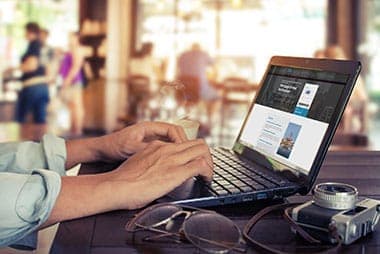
110,63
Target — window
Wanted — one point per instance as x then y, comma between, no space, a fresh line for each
370,53
241,35
59,17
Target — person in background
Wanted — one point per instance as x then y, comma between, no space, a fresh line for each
194,63
47,52
144,64
73,81
35,191
34,95
320,53
355,116
48,57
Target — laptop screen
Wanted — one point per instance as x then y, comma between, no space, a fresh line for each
291,114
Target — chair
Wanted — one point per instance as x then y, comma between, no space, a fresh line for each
350,140
235,92
191,89
138,87
191,93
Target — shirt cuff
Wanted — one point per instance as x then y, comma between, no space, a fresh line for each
29,242
55,152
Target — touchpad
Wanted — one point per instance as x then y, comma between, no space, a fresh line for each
191,188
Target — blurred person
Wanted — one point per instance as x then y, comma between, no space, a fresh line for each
73,81
319,53
47,52
34,96
355,115
192,67
194,63
35,191
144,64
49,58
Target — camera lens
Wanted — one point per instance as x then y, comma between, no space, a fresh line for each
337,196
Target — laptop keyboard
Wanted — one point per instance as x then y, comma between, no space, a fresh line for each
233,176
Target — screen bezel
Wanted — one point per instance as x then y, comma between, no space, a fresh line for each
351,68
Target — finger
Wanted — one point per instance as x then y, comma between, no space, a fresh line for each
206,155
165,130
172,149
151,149
181,133
140,146
155,145
198,167
191,153
187,144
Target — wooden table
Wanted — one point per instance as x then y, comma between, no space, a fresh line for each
104,233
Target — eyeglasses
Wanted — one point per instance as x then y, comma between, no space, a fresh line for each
207,230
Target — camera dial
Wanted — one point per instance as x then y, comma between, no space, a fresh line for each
337,196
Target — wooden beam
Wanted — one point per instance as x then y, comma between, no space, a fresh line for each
332,23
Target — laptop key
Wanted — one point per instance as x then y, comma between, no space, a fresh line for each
222,182
237,182
268,184
245,178
230,177
271,185
222,192
246,188
215,185
282,183
234,190
257,186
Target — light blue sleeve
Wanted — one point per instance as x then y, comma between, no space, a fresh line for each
28,192
24,156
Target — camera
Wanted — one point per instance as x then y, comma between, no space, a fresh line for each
337,205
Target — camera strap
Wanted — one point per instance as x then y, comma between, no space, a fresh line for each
286,208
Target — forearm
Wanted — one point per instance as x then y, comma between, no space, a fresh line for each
92,149
82,151
84,195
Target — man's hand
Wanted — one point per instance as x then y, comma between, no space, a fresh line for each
144,177
121,144
158,169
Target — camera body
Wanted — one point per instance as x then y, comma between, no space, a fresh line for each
351,224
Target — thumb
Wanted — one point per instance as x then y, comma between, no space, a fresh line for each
140,146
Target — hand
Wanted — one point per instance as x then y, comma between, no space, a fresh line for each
64,94
121,144
146,176
66,83
159,169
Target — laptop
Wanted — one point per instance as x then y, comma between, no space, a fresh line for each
284,137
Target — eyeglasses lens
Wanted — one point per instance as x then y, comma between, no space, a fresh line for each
212,232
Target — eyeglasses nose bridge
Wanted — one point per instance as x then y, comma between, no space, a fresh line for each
176,214
173,216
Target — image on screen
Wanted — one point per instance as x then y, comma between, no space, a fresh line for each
287,142
291,115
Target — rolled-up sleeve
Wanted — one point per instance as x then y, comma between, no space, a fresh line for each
30,181
24,156
26,203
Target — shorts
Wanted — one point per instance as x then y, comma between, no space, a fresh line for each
71,93
32,99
